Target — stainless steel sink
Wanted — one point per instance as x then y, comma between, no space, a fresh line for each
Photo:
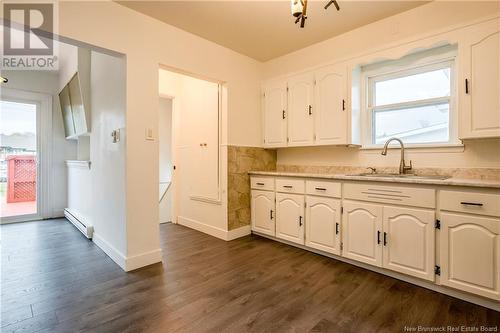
397,175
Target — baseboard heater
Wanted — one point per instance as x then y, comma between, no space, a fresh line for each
87,230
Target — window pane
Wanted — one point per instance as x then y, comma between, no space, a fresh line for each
424,124
413,87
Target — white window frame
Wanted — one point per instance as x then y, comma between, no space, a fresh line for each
422,62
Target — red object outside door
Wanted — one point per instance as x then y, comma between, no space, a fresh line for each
21,178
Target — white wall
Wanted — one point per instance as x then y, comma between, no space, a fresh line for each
147,43
107,174
400,29
47,83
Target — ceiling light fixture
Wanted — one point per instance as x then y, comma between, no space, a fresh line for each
299,10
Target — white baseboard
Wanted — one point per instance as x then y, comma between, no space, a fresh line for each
127,263
488,303
143,259
111,251
214,231
237,233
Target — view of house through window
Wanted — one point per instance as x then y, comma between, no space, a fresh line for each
413,105
18,148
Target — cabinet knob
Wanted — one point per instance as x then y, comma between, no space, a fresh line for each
300,221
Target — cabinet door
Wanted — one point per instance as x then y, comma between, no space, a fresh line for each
481,68
300,110
290,217
263,212
409,241
323,224
275,122
330,105
362,232
470,254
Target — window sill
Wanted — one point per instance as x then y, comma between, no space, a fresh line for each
422,148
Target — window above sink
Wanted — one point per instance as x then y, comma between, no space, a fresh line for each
412,98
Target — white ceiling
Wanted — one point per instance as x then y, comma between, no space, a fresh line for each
265,30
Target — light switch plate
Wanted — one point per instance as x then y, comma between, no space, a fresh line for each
149,134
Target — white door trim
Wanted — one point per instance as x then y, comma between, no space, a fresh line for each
44,151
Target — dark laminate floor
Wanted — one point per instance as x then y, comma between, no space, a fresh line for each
54,280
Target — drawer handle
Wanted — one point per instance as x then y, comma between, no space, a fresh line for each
320,189
378,236
471,203
271,213
300,221
287,186
336,228
262,184
385,238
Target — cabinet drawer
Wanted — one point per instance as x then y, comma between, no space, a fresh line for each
323,188
262,183
399,195
470,202
290,185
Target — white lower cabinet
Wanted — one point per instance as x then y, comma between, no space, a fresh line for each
323,224
366,226
362,232
409,241
470,254
400,239
290,217
263,212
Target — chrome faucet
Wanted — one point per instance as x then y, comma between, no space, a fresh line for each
402,165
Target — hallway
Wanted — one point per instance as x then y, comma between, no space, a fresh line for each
54,280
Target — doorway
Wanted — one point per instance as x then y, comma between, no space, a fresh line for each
165,159
19,155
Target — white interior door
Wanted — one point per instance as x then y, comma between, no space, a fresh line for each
362,232
330,105
323,224
409,245
470,254
290,217
300,110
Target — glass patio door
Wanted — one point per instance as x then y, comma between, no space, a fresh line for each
19,181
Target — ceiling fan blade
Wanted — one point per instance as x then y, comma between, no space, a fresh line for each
302,21
334,2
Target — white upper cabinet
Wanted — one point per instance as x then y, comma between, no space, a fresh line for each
263,212
470,254
290,217
409,241
323,224
275,114
330,105
300,110
362,232
480,84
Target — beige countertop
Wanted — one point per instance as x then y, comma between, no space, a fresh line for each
482,183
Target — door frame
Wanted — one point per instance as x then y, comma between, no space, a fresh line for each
44,151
